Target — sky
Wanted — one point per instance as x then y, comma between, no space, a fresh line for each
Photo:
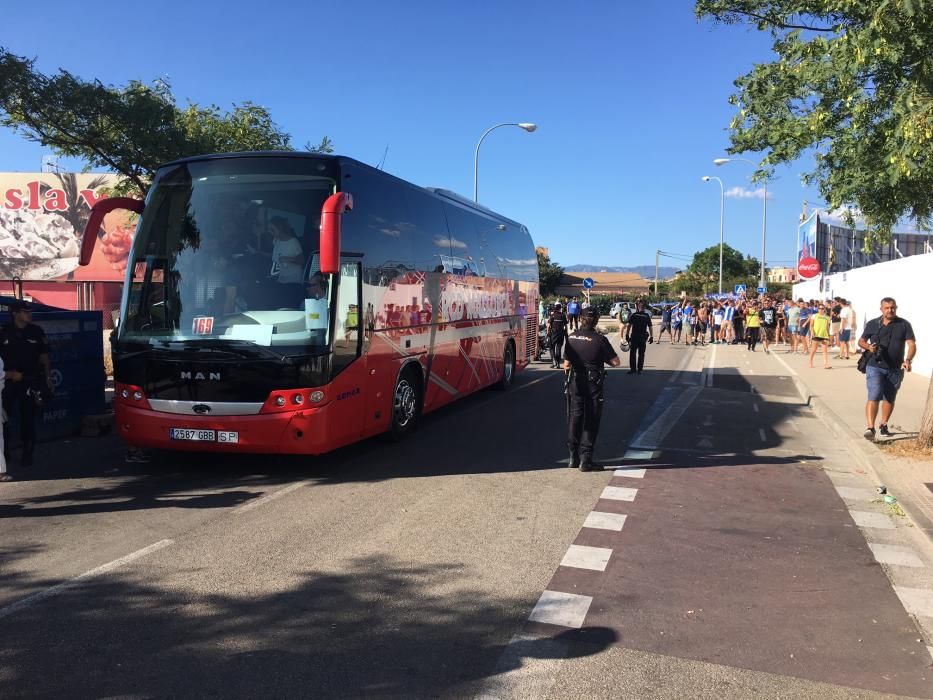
630,99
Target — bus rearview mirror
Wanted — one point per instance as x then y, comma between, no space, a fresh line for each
331,216
98,212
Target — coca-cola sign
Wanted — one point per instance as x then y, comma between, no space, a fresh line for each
808,267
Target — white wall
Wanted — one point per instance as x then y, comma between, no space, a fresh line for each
908,280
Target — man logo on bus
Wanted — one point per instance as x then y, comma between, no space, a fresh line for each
213,376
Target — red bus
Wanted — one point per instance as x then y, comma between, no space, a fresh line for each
294,303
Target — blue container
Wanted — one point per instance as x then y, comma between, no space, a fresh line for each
76,351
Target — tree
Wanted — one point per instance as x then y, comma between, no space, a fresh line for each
852,82
549,274
702,274
130,130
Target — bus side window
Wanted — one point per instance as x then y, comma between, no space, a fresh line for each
347,333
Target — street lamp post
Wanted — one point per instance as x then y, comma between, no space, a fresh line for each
764,214
521,125
722,205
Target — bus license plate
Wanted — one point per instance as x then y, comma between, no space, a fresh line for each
190,434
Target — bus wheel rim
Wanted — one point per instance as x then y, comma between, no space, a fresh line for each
404,404
507,372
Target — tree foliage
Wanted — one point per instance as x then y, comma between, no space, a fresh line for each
130,130
548,274
705,264
852,82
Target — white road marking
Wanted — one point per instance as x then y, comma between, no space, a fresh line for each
604,521
618,493
651,438
876,520
528,667
262,500
761,434
712,367
755,408
891,554
918,601
564,609
786,366
631,472
582,557
639,454
854,494
77,580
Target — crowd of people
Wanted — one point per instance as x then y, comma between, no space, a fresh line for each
802,326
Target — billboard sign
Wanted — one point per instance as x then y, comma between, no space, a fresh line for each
807,264
42,218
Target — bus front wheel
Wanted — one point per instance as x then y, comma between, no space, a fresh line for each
406,405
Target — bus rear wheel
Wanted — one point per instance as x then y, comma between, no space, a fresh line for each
508,367
406,405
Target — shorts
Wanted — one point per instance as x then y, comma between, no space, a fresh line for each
882,382
802,332
768,332
820,340
836,325
792,329
677,326
701,327
666,327
845,336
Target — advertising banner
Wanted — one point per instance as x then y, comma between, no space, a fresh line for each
807,264
42,218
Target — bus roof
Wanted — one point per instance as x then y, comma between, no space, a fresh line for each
436,191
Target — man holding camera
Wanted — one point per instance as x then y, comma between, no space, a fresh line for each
885,338
25,350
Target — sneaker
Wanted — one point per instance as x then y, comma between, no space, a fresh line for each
5,477
883,429
869,434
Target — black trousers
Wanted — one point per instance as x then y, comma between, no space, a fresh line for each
14,397
636,354
738,326
557,348
585,409
751,336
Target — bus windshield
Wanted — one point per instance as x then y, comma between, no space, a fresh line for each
224,252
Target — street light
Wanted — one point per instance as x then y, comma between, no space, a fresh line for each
521,125
764,215
722,203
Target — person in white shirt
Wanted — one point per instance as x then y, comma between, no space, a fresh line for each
13,377
287,257
846,328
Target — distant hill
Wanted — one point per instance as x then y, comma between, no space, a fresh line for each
646,271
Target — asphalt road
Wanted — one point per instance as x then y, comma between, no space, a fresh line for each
424,569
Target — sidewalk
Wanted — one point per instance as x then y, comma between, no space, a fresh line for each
838,397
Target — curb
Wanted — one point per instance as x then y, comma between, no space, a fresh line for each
866,454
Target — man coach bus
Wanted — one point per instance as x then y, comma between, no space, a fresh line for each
216,352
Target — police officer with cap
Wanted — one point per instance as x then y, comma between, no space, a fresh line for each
557,333
587,352
25,349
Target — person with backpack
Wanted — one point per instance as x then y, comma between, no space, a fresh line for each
625,313
573,313
557,333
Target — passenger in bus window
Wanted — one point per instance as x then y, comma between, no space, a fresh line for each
287,256
316,307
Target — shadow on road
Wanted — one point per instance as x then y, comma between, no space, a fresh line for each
380,628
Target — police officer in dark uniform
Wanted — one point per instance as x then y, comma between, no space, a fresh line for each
638,334
25,349
557,333
587,352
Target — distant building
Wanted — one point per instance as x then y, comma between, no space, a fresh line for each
615,283
782,275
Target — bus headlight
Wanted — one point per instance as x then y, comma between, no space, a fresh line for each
298,399
137,396
316,396
279,400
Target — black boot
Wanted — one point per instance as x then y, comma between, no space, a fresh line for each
574,459
586,463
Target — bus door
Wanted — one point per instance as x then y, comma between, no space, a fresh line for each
349,395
